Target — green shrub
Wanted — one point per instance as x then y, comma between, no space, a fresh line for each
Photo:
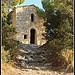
12,50
5,56
55,54
68,55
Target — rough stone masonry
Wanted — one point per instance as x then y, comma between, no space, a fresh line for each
28,25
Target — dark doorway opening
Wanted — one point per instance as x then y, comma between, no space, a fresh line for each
32,38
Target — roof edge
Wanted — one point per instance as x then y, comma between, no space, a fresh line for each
26,6
23,6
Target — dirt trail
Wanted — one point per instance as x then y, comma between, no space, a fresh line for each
31,62
15,71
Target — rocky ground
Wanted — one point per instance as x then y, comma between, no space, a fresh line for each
31,61
15,71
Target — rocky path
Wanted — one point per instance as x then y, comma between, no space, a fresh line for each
16,71
31,62
30,56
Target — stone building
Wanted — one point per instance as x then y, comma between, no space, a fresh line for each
28,25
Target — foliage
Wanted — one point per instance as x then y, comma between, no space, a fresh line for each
68,55
9,22
58,16
4,14
13,3
10,31
58,58
40,12
10,50
9,45
64,57
3,53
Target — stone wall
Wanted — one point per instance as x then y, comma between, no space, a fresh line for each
24,24
13,13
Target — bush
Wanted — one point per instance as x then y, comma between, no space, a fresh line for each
3,55
55,55
64,55
11,49
68,55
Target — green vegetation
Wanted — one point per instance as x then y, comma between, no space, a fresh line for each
13,3
9,46
68,55
58,16
58,58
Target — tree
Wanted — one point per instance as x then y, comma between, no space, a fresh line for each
12,3
58,16
8,31
64,32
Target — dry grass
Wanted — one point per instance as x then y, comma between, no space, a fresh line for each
5,68
59,58
68,55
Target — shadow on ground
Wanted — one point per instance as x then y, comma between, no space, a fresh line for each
32,57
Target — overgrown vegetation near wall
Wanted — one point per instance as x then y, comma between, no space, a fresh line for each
9,46
58,16
57,57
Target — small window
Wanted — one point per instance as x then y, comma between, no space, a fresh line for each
32,17
25,36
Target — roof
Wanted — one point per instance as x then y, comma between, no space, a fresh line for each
26,6
23,6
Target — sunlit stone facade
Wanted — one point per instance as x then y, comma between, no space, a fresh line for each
28,25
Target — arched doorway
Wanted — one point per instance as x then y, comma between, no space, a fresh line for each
32,36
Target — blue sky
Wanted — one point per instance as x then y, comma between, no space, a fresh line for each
30,2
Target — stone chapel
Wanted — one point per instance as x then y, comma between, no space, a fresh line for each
28,25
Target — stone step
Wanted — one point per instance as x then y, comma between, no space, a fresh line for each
30,54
